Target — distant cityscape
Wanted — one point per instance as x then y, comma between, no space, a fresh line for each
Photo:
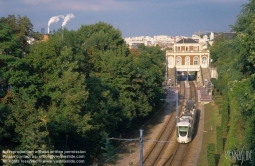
167,42
164,41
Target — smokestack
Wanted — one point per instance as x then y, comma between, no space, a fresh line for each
54,19
67,18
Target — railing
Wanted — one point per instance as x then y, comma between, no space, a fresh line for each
187,67
193,51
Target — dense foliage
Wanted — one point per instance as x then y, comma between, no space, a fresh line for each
211,155
219,140
235,59
224,115
70,91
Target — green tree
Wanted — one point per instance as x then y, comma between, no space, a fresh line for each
65,91
48,98
110,151
22,27
10,44
244,27
236,69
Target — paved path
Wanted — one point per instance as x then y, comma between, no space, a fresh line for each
202,95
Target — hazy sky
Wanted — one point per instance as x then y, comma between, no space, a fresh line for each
131,17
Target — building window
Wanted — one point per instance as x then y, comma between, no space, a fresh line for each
196,60
179,48
187,48
195,48
178,61
204,59
187,62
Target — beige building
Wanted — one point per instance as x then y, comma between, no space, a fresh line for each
188,55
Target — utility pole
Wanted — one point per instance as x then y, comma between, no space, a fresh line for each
166,71
187,79
187,76
176,107
141,147
187,85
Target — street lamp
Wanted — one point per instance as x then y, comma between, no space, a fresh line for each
166,68
176,107
187,79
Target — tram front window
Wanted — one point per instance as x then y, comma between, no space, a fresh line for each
183,130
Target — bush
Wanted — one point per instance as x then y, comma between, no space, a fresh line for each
224,116
219,141
211,154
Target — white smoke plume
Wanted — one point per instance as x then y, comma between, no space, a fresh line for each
54,19
67,18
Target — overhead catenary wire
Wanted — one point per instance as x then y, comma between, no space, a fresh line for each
145,140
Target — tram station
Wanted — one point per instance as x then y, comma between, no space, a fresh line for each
189,59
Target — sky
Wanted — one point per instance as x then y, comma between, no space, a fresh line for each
131,17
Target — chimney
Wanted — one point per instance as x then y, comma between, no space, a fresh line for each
183,40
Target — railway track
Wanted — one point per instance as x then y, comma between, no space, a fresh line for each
158,149
195,146
178,157
193,90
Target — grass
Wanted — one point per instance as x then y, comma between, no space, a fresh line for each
212,118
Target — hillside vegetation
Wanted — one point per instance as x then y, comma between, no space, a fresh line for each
235,60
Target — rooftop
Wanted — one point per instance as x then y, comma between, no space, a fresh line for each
187,41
